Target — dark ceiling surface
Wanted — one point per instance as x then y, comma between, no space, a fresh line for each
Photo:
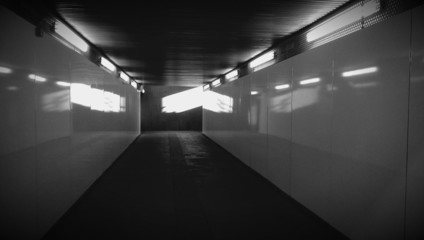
187,43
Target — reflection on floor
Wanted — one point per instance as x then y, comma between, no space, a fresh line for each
181,185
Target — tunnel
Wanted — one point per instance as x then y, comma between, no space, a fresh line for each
212,120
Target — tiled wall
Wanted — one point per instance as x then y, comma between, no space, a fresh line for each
55,140
349,148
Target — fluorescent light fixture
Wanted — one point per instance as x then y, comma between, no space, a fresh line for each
284,86
231,75
360,71
70,36
254,93
5,70
124,76
37,78
206,87
216,83
351,15
262,59
107,64
63,84
134,84
309,81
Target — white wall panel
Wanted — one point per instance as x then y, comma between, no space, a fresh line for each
53,147
53,126
259,122
415,181
280,124
369,132
311,125
18,165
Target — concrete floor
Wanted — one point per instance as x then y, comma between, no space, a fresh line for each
181,185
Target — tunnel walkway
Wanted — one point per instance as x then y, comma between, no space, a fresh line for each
181,185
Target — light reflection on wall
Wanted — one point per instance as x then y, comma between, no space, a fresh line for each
304,97
55,102
281,103
218,103
183,101
5,70
96,99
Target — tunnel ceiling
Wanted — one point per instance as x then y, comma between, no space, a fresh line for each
186,43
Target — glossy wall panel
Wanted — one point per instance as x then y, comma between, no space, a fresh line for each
280,124
415,180
56,139
370,131
18,165
259,122
312,104
339,145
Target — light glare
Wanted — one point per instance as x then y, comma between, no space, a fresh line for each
63,84
124,77
218,103
254,93
5,70
107,64
262,59
71,37
37,78
359,71
216,83
134,84
231,75
309,81
96,99
284,86
183,101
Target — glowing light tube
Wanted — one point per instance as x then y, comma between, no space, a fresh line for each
359,71
343,19
124,77
107,64
5,70
231,75
63,84
134,84
254,93
216,83
284,86
37,78
70,36
262,59
309,81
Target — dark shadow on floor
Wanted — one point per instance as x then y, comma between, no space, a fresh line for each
181,185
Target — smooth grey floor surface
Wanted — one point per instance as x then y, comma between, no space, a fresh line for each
181,185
